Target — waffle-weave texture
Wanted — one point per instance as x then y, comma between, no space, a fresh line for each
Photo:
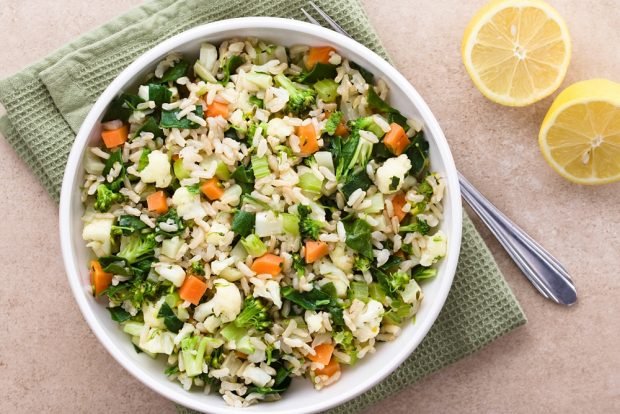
47,102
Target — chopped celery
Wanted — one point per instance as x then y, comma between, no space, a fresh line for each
231,274
203,73
359,290
260,167
377,204
324,159
232,332
267,224
244,345
239,252
173,299
179,170
202,89
222,171
254,245
182,313
133,328
376,292
290,223
326,90
261,80
193,349
310,183
136,341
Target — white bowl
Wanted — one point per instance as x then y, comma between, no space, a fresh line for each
301,397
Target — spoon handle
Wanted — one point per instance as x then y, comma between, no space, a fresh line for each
544,271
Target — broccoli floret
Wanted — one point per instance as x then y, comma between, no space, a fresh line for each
299,100
137,247
344,340
398,280
136,291
308,227
254,315
361,263
106,197
368,123
299,264
425,189
419,226
193,349
332,122
197,268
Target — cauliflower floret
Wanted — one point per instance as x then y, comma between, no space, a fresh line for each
157,170
279,128
435,249
412,293
97,232
216,233
341,259
333,274
173,273
364,320
256,375
226,303
188,204
314,321
278,101
218,266
390,176
268,290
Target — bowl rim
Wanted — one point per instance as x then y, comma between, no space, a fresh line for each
210,29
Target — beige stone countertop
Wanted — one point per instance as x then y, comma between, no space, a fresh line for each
564,360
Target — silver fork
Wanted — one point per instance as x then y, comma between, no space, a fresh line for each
544,271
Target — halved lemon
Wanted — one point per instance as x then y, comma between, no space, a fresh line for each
516,51
580,136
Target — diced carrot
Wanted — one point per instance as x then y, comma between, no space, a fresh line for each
329,369
212,189
308,142
115,137
315,250
396,140
341,130
318,55
398,202
99,279
241,355
192,289
157,202
267,264
217,108
175,157
323,353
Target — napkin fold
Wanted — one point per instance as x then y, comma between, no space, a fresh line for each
47,102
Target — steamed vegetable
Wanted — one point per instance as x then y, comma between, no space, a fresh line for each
300,99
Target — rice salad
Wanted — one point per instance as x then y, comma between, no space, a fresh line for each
259,214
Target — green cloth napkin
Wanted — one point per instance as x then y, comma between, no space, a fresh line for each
47,101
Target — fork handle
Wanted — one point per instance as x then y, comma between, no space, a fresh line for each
547,275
